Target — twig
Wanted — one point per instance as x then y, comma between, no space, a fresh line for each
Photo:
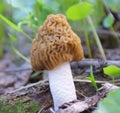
88,81
51,110
74,65
107,32
116,82
95,63
80,106
45,81
28,86
15,70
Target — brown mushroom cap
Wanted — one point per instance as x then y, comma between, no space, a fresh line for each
54,44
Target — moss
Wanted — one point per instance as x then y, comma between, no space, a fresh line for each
19,107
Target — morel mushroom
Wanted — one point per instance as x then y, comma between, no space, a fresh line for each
54,47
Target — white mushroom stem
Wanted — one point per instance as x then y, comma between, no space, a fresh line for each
62,85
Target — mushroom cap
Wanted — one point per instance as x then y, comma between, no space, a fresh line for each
55,44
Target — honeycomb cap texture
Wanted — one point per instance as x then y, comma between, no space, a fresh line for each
54,44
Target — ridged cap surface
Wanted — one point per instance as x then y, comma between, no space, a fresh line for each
54,44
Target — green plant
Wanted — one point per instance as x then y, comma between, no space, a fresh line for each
2,27
87,39
109,21
17,28
25,14
112,71
92,79
110,104
81,11
18,107
101,50
32,14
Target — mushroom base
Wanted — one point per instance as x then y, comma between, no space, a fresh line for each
61,85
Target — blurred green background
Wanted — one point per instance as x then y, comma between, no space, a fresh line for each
25,17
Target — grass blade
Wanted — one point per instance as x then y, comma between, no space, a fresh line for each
14,26
20,54
10,23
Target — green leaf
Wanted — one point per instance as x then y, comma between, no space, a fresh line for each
112,70
108,21
79,11
92,79
10,23
111,104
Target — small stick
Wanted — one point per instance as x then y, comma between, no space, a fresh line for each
28,86
95,63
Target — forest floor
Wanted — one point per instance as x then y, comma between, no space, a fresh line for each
16,73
